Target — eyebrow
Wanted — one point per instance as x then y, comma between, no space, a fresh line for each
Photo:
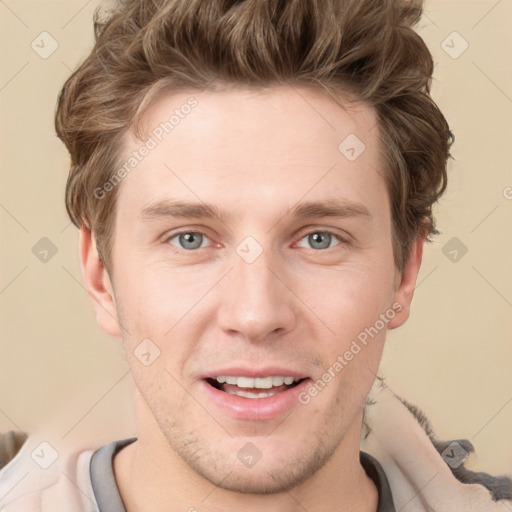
340,208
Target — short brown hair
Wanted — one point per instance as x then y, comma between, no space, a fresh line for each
364,47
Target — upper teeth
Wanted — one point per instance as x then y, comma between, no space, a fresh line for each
256,382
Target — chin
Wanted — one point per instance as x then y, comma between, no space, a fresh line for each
262,480
275,469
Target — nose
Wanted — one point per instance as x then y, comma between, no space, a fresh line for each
256,300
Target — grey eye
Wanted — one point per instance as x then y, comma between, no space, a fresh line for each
320,239
189,241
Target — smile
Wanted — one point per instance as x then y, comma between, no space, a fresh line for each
252,387
258,397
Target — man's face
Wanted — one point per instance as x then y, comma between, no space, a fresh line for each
258,291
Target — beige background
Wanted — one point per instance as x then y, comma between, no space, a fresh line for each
61,378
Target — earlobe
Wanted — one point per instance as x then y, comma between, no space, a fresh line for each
97,284
405,291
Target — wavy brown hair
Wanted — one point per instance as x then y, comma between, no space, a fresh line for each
364,48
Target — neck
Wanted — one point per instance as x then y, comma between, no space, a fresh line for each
151,477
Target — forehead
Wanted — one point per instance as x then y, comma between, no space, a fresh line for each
249,145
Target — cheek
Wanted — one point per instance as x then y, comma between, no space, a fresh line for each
350,300
164,315
153,301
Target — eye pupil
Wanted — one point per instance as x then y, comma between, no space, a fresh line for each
317,238
188,238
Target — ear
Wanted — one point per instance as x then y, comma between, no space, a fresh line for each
406,283
98,285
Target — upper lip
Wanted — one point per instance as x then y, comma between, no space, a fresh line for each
270,371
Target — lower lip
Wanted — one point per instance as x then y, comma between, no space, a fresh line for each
255,409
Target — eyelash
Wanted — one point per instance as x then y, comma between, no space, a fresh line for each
321,231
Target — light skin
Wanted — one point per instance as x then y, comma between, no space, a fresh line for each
257,156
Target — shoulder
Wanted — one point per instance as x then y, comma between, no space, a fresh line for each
42,478
419,466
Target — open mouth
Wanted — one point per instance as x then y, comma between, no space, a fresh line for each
253,387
